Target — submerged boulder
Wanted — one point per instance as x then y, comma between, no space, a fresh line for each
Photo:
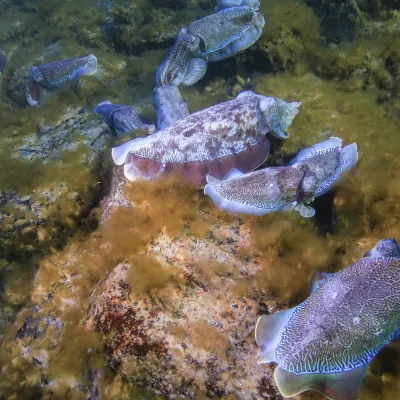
57,178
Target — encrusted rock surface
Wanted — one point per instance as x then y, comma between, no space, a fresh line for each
42,218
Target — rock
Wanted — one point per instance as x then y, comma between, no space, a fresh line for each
72,150
190,338
340,20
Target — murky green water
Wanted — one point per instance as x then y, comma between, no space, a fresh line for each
160,300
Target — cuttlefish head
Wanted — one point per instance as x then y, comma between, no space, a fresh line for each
384,248
276,115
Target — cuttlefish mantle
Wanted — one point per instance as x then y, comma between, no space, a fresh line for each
327,342
121,118
310,174
211,141
57,75
211,38
264,191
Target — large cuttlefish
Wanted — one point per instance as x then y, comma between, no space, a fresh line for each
310,174
327,342
57,75
212,141
212,38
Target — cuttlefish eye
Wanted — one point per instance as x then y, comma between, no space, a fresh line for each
36,74
202,45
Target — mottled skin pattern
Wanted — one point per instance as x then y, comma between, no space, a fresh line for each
213,38
121,118
185,62
212,141
215,132
249,37
327,166
57,75
346,321
268,189
218,30
169,105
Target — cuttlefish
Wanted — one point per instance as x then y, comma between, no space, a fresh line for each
327,342
223,4
211,141
121,118
169,105
57,75
310,174
211,38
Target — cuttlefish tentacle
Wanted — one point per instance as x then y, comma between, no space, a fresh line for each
185,62
327,342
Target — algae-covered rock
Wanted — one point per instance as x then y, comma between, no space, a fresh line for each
340,20
63,167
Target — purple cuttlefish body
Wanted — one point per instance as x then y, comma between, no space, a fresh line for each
211,141
57,75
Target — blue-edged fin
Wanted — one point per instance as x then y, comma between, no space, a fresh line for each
336,386
120,153
232,207
91,65
350,156
224,4
105,102
233,173
317,278
210,179
305,211
331,143
269,333
384,248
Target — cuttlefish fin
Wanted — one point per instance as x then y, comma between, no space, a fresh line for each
269,333
120,153
233,173
280,134
305,211
317,278
335,386
350,156
331,143
211,179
